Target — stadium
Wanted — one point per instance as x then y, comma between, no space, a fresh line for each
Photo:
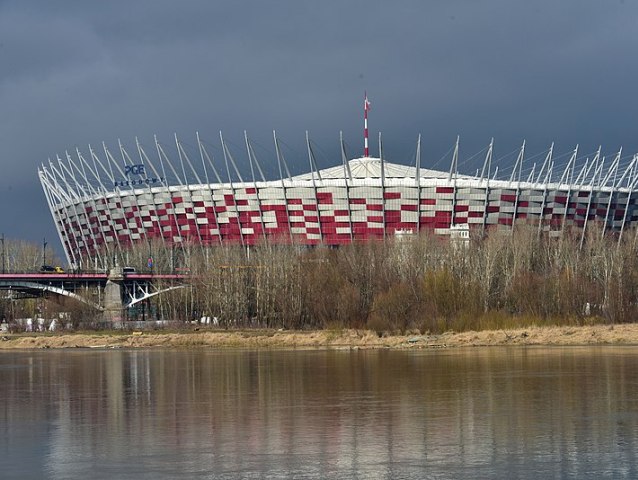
103,203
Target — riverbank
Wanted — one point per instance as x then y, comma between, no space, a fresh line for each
625,334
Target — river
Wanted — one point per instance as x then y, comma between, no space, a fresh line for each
497,412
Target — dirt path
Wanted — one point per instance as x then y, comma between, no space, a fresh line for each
626,334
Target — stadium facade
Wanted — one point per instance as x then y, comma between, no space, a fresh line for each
101,205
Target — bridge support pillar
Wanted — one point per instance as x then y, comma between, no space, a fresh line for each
113,305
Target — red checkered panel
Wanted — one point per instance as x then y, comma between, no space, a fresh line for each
325,214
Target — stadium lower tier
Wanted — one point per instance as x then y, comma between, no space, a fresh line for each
328,214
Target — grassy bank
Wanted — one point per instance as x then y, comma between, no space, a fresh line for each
625,334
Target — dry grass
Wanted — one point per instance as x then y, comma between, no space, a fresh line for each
624,334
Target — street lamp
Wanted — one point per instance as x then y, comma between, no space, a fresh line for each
149,263
44,251
4,262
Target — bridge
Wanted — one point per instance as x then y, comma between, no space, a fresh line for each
117,290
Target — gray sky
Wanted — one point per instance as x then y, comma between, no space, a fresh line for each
80,72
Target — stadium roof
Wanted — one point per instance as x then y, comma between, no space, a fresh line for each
370,167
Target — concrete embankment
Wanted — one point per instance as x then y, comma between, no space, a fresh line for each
625,334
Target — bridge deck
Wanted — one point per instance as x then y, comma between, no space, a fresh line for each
43,277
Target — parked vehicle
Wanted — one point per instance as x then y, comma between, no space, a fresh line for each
51,269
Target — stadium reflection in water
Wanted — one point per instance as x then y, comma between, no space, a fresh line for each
465,413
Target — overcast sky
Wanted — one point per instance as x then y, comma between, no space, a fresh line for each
74,73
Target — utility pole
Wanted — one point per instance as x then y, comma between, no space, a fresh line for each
4,262
149,263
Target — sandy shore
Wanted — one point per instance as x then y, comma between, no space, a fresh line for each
626,334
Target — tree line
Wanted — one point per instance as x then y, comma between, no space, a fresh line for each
428,283
425,283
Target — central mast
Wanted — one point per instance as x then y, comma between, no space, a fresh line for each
366,107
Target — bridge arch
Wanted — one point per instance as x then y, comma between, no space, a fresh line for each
146,294
31,287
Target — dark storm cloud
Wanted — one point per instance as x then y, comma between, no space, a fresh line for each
77,72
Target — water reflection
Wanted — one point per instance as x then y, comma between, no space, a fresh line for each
479,413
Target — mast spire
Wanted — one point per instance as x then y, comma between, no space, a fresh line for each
366,107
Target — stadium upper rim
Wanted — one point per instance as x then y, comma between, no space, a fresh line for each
83,175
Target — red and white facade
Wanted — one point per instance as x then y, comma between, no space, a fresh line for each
361,199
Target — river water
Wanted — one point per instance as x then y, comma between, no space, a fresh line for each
459,413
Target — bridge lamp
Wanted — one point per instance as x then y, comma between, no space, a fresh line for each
4,262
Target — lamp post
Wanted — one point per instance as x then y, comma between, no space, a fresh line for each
4,262
149,262
44,251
